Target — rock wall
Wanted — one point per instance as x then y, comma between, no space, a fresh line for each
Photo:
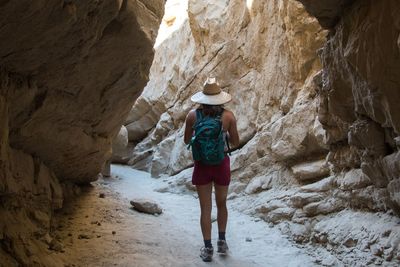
271,87
319,155
359,95
69,74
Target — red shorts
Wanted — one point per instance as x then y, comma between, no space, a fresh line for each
219,174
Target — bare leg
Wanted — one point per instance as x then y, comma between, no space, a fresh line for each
205,192
221,193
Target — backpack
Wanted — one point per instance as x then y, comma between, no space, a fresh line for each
208,143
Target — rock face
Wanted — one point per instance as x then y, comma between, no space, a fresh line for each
320,138
69,74
271,89
328,12
65,100
359,96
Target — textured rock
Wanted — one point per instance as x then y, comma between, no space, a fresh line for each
311,170
354,179
120,146
293,114
69,74
146,206
320,186
373,236
66,99
358,94
328,12
323,207
279,214
257,184
299,200
219,39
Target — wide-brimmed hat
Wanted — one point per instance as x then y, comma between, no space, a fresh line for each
211,94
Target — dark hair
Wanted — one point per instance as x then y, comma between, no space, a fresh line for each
212,110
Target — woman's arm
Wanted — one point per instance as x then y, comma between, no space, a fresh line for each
190,120
232,130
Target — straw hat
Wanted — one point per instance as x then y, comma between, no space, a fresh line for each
211,94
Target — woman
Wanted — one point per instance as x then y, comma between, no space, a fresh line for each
204,175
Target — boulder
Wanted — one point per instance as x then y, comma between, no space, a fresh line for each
320,186
311,170
354,179
146,206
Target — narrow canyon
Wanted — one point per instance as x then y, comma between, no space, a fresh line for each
93,100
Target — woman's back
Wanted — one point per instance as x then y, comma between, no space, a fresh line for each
227,118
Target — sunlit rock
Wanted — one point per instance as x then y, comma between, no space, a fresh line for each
311,170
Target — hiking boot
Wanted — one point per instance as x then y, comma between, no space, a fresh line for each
222,247
206,254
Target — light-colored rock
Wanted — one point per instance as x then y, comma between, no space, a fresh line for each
354,179
278,214
299,200
373,234
120,152
237,187
311,170
271,205
146,206
300,233
323,207
320,186
370,198
179,183
257,184
289,111
142,118
219,39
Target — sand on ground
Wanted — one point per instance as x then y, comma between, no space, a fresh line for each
106,231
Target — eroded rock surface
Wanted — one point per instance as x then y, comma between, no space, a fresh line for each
69,74
328,12
320,138
272,89
146,206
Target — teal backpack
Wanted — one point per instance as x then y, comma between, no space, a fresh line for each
208,143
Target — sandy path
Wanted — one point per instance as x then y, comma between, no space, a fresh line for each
171,239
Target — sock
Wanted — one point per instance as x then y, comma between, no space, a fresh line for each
221,235
207,243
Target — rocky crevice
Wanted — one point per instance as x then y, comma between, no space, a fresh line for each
219,49
319,132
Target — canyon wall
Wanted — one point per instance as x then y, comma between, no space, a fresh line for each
315,100
272,86
69,74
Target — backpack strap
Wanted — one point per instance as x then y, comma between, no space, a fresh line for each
227,144
199,116
226,136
